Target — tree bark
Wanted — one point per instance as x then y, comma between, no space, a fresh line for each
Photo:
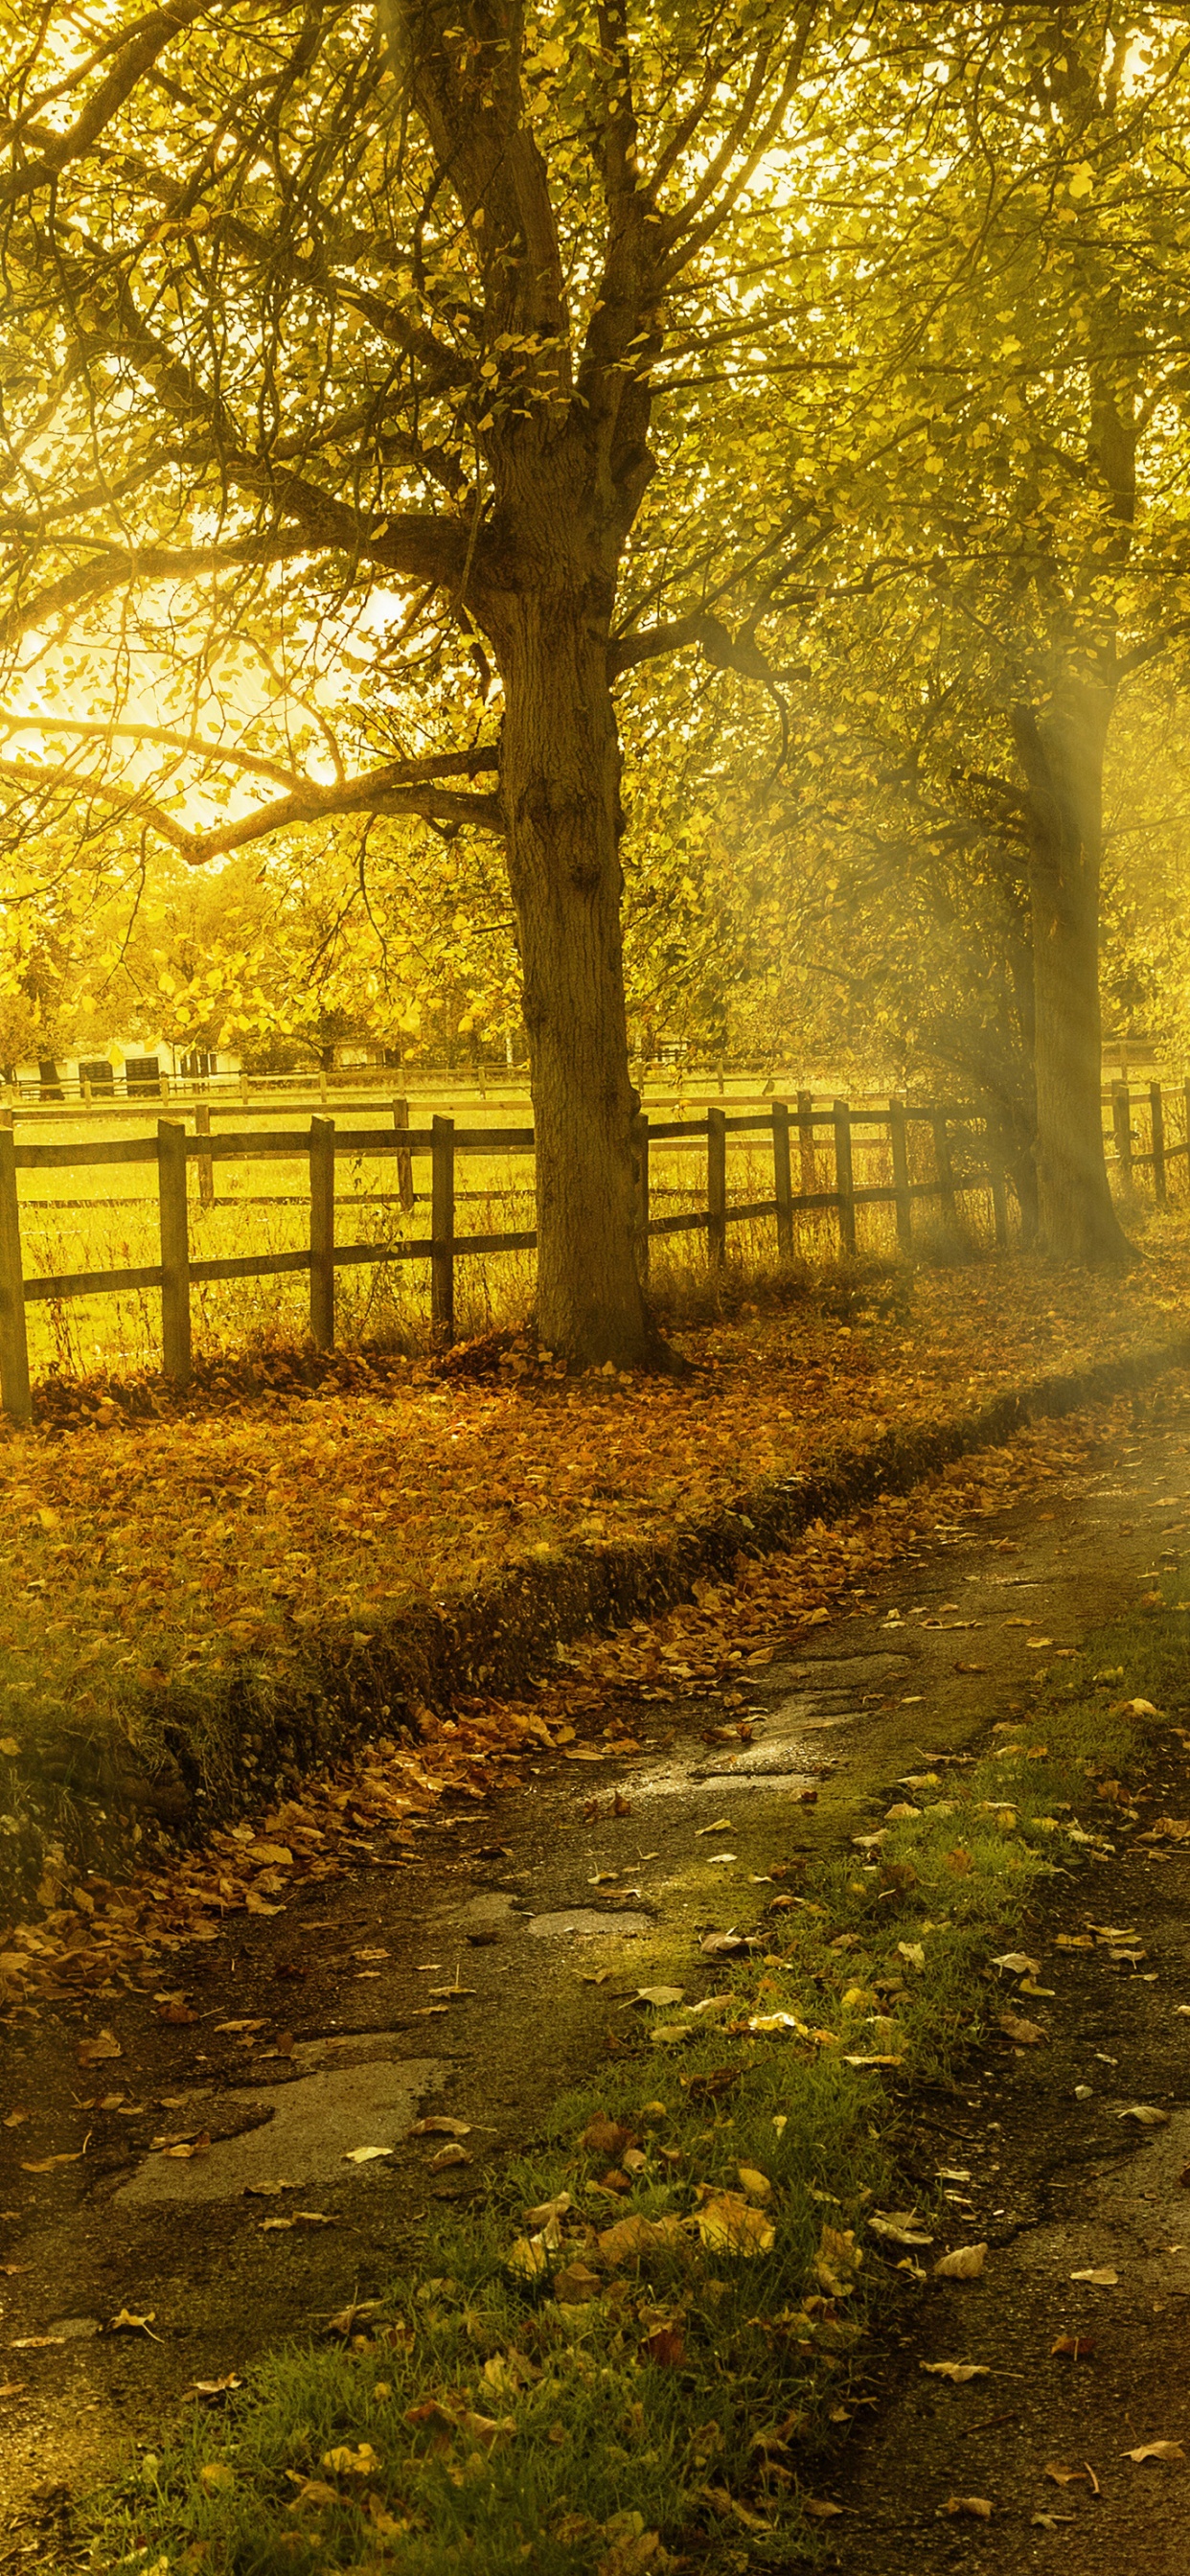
560,792
1061,752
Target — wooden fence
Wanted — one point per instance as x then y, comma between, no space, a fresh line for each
803,1125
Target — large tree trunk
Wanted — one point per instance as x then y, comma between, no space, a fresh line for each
1061,751
560,791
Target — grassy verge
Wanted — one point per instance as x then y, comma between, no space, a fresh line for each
632,2356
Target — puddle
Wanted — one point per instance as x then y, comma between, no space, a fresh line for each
583,1923
791,1717
852,1669
765,1762
314,2122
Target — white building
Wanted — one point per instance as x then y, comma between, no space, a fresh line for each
124,1069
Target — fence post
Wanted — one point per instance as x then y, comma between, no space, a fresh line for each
322,1233
844,1180
206,1168
716,1187
14,1348
442,1228
1157,1115
640,1148
1186,1121
244,1085
898,1130
807,1159
782,1180
997,1162
175,1250
404,1157
1121,1119
945,1171
86,1089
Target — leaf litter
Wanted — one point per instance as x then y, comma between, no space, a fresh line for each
372,1810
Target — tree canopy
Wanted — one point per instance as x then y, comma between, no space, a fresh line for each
535,474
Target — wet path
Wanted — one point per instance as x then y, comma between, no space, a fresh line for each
472,1984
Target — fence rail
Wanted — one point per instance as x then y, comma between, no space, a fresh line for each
839,1125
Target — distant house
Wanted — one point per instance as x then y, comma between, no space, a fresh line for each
127,1069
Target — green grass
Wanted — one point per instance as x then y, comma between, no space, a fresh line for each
682,2400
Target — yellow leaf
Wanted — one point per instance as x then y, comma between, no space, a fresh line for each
728,2224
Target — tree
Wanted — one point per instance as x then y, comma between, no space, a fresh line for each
341,361
1046,529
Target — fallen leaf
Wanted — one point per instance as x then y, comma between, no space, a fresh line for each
756,2184
965,2264
1145,2116
898,2227
364,2155
820,2508
665,2347
1103,2279
1023,2034
485,2429
216,2476
604,2137
1155,2451
1062,2476
547,2212
529,2256
452,2154
92,2052
957,2371
977,2507
343,2462
125,2322
313,2491
659,1995
632,2238
728,2224
1019,1963
439,2126
576,2285
1073,2347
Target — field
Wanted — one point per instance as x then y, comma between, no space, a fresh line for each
96,1218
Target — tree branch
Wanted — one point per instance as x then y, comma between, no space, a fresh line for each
400,787
138,53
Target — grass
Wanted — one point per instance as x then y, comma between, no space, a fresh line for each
538,2394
